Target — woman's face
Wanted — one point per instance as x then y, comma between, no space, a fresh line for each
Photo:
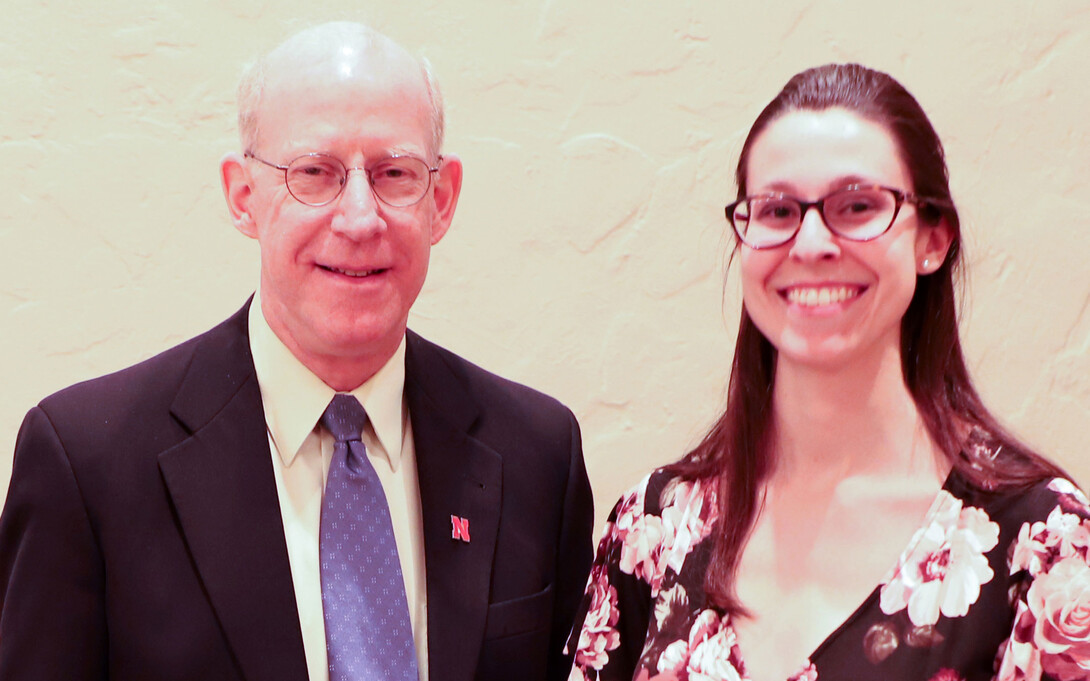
820,299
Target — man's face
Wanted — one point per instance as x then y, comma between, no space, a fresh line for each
337,281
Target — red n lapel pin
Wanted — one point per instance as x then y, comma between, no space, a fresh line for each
459,528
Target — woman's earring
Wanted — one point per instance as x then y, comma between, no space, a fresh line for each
926,264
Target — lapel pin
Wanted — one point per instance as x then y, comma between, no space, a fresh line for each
459,528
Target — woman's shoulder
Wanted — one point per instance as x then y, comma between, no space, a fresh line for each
1011,483
1053,496
1038,524
664,489
657,524
1056,493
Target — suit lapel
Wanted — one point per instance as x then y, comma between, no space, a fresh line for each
221,484
461,477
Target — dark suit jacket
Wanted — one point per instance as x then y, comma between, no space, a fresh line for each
142,537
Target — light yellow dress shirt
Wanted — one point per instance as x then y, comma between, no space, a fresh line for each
294,399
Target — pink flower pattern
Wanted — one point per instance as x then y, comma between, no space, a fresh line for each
951,573
945,566
1051,636
599,634
713,650
652,543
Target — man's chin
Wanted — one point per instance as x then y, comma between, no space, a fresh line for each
361,337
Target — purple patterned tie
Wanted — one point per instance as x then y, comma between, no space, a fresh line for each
367,630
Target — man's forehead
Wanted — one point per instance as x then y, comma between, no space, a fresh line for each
359,83
341,76
330,102
346,60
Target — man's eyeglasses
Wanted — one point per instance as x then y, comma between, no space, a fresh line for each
318,179
857,212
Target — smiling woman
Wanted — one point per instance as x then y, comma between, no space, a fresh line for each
856,511
831,297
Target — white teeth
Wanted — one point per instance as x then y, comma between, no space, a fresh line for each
353,273
814,297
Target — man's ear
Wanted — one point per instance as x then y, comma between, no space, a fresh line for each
237,189
448,186
932,245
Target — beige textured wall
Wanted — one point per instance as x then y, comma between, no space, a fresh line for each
587,256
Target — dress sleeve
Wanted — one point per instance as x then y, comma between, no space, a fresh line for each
1050,589
612,620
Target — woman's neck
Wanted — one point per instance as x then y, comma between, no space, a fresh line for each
857,420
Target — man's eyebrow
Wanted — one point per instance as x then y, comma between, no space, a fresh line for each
405,151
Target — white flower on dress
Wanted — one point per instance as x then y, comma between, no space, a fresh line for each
674,658
1059,603
689,518
628,511
577,674
946,565
1021,662
640,536
652,543
1042,543
599,634
713,649
1030,552
642,546
1052,626
709,654
675,599
1065,487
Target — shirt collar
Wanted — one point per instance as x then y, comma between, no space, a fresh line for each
294,398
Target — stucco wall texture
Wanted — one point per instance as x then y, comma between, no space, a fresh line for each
588,254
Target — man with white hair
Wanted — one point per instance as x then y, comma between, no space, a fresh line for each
309,490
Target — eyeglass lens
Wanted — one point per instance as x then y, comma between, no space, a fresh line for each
857,213
398,181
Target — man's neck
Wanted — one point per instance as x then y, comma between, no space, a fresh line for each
344,371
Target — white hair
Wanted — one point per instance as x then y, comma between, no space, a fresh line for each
320,42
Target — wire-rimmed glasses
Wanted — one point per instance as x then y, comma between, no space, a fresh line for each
857,212
317,179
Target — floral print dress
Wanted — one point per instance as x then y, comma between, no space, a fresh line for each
991,586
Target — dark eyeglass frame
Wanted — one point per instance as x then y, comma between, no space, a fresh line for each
347,170
900,198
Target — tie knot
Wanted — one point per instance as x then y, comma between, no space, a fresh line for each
344,418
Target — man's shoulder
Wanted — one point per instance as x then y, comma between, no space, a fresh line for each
150,383
435,369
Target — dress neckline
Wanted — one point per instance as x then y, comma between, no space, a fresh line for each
943,496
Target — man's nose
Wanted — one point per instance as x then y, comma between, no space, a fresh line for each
358,212
814,240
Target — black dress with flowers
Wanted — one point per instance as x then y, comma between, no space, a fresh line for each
991,586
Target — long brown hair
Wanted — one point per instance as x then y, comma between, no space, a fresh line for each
737,450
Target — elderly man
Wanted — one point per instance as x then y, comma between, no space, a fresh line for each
308,490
